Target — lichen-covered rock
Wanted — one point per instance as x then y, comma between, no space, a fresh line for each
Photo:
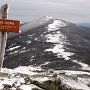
49,85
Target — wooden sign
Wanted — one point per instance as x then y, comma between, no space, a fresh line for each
9,25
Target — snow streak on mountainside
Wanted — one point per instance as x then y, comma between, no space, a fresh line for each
58,39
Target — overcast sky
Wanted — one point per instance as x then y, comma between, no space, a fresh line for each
69,10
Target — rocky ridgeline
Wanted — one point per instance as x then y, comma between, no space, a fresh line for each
49,80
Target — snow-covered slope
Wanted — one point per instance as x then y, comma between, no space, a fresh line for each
52,44
58,38
73,80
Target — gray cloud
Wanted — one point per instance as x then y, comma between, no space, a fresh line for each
71,10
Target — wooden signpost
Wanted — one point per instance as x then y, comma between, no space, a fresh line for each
9,25
6,26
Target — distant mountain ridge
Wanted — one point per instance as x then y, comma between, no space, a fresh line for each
84,24
32,25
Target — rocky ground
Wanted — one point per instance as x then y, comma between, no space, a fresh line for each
37,79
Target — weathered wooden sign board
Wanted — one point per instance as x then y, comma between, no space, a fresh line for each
6,26
9,25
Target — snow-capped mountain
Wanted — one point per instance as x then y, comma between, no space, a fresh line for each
65,42
51,43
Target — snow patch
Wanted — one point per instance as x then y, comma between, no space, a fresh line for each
55,38
73,79
75,84
46,63
83,65
60,51
29,87
30,70
27,69
57,24
70,72
15,52
48,17
26,87
41,79
10,81
28,42
12,48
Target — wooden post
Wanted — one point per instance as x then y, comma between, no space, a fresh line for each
3,35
